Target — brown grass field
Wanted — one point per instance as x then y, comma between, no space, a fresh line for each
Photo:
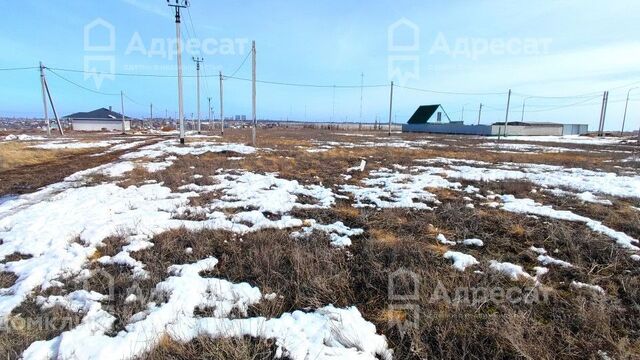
563,323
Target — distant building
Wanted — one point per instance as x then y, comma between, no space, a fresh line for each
430,119
98,120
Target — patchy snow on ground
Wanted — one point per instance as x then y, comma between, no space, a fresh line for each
75,144
443,240
524,148
528,206
328,332
122,147
339,234
387,189
171,147
264,193
584,196
548,176
460,260
360,167
473,242
23,137
594,288
513,271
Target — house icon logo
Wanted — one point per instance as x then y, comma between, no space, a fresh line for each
99,51
403,35
95,34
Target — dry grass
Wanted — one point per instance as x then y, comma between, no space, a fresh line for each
16,154
215,349
309,273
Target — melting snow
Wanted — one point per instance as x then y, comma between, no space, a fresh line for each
580,285
460,260
528,206
328,332
339,233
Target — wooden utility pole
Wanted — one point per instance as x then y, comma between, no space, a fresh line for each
506,118
603,113
124,129
221,107
390,107
44,100
253,92
151,115
479,113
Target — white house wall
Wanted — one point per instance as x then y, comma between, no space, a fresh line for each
97,125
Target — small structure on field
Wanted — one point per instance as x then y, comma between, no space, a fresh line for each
429,119
102,119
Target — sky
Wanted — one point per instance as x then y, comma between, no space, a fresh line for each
556,56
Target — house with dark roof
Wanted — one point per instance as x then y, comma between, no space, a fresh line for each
102,119
425,113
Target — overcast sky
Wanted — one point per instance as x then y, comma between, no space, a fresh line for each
479,48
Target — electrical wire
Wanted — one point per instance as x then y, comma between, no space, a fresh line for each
304,85
241,65
451,92
80,86
19,68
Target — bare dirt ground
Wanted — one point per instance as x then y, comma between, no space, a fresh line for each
577,298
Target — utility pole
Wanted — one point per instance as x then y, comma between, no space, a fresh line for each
44,100
53,107
462,114
361,93
390,107
333,107
479,113
124,129
603,113
151,115
209,119
253,92
626,106
198,61
506,119
221,108
177,6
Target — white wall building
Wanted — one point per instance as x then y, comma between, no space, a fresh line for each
98,120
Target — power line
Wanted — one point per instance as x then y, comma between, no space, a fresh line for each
581,96
19,68
452,92
133,101
81,86
566,106
241,64
305,85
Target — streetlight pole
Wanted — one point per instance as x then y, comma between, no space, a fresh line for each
626,106
177,6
